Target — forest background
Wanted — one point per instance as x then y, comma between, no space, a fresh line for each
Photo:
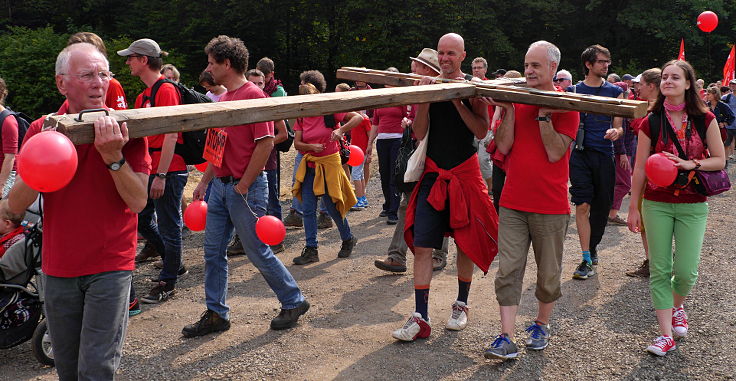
326,35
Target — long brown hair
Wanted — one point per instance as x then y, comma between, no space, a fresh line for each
694,105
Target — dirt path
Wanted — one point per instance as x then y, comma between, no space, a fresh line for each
600,326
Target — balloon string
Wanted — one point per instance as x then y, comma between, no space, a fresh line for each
246,204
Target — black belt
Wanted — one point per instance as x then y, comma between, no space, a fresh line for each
229,179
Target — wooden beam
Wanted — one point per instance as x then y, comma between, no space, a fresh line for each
509,92
160,120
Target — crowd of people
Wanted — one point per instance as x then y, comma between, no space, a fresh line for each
498,178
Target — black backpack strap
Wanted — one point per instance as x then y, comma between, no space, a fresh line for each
468,77
655,127
154,90
699,122
4,115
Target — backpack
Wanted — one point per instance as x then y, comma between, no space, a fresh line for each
656,122
285,146
23,122
192,147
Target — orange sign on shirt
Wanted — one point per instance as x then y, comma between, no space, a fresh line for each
215,146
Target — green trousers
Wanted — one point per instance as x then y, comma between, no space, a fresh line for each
668,274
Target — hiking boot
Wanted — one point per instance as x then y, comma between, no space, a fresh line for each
641,272
617,221
324,221
392,220
501,348
679,322
584,271
459,317
147,252
391,265
414,328
278,248
208,323
235,248
438,263
288,318
539,336
347,247
383,213
309,255
134,308
159,293
293,219
662,345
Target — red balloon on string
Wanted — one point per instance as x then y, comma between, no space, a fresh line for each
195,217
47,162
707,21
356,156
201,166
270,230
660,170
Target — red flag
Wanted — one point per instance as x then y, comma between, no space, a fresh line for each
681,56
728,68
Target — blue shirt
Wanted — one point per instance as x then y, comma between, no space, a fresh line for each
596,125
730,100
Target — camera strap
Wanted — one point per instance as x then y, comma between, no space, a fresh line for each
690,174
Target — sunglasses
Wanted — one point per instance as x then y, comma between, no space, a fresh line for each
561,79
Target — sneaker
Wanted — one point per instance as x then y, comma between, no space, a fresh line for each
617,221
293,219
159,293
438,262
679,322
324,221
414,328
288,318
501,348
584,271
391,265
235,248
182,271
459,317
384,213
538,336
278,248
594,258
363,202
208,323
309,255
347,247
357,207
134,308
148,252
662,345
641,272
392,220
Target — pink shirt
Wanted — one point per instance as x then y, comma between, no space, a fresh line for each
389,119
314,131
9,138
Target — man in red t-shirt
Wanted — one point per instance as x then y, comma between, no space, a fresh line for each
89,237
533,206
166,183
8,143
238,198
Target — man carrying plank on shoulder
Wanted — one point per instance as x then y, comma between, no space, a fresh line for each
451,197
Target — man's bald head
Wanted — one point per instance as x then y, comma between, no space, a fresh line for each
451,53
454,39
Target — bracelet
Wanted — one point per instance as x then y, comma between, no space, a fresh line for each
697,164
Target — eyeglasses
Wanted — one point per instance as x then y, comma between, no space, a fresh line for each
104,75
561,79
477,67
607,62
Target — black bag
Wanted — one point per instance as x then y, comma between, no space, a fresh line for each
285,146
23,122
330,122
192,147
408,145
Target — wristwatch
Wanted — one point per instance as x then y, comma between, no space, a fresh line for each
545,118
115,166
697,163
161,175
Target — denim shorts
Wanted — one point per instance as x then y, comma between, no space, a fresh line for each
430,225
357,172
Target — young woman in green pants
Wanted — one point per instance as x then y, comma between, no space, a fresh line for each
674,211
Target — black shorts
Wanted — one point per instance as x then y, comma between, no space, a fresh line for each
430,225
592,176
730,135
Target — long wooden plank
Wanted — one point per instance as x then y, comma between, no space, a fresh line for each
508,93
382,77
160,120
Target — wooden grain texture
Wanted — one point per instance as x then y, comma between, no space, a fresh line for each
160,120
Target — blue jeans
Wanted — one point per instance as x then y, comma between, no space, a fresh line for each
309,202
274,206
87,319
296,205
227,210
164,233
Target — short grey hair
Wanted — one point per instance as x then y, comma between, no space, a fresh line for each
564,72
553,52
481,60
62,60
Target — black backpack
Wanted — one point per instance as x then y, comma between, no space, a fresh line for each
656,124
23,122
192,148
285,146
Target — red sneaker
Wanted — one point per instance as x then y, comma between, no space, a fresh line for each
662,345
679,322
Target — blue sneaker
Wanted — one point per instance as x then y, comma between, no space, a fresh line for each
501,348
134,308
365,201
584,271
356,207
539,336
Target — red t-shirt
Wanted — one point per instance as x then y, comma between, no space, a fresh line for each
359,134
166,95
88,228
533,184
241,140
388,119
314,131
9,138
694,149
115,98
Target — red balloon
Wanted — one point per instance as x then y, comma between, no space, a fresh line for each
195,217
356,156
47,162
202,166
707,21
660,170
270,230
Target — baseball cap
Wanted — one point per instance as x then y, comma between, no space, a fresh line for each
732,81
627,77
144,47
637,79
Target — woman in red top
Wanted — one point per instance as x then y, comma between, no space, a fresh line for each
674,211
